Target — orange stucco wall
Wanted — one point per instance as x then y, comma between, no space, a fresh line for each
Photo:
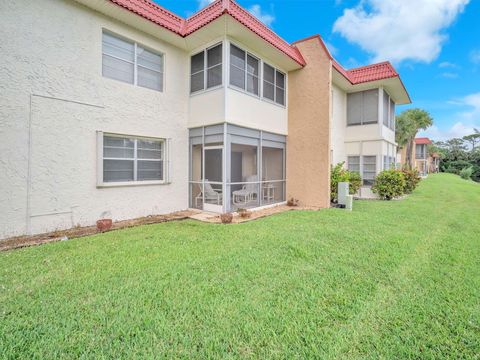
308,141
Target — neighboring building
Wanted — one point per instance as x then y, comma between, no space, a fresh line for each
121,109
424,162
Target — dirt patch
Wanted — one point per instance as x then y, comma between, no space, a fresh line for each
254,214
76,232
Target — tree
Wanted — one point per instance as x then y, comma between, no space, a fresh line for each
473,139
409,123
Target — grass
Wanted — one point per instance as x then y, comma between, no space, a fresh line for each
397,279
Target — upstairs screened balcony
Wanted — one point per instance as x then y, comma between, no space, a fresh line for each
233,167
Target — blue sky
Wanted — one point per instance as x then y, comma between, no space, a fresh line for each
434,44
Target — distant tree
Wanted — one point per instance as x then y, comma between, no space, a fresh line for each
408,124
473,139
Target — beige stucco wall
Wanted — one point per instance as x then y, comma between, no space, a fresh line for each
338,125
308,142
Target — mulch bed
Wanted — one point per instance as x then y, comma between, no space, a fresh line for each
76,232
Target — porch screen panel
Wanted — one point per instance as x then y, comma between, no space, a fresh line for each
392,115
197,77
253,71
268,82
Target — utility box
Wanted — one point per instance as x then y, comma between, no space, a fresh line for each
349,204
343,191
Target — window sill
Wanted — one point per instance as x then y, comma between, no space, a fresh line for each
131,183
199,92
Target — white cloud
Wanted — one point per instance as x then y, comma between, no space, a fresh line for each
475,56
472,102
257,11
399,30
203,3
446,64
333,50
449,75
458,130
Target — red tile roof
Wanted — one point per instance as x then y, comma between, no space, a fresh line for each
367,73
422,141
185,27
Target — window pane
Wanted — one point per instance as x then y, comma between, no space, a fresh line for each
237,77
370,106
354,108
214,76
117,69
197,63
214,55
280,79
392,115
149,170
268,91
353,163
252,65
252,84
118,48
272,163
268,73
280,96
149,59
386,111
196,82
237,57
369,169
117,170
149,149
149,78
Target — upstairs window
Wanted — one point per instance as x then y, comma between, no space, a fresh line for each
206,69
244,70
362,107
130,62
273,84
388,111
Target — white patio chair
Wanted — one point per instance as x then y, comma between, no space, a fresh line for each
211,195
248,192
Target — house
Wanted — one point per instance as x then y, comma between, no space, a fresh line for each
122,109
422,160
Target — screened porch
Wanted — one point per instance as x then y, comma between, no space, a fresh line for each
233,167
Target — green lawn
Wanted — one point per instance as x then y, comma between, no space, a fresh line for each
397,279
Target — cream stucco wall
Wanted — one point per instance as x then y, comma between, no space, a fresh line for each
53,101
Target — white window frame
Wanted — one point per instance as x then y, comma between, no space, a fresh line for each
165,158
363,169
245,71
260,77
135,62
206,68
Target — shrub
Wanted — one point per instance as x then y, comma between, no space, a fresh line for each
226,218
389,184
466,173
244,213
412,178
339,174
292,202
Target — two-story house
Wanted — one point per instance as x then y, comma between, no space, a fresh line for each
422,160
122,109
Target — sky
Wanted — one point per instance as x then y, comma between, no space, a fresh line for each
433,44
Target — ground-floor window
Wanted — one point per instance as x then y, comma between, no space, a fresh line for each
233,167
369,169
353,163
125,158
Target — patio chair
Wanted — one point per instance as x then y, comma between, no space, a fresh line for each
248,192
211,195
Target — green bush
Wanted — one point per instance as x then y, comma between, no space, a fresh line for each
389,184
339,174
466,173
412,178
